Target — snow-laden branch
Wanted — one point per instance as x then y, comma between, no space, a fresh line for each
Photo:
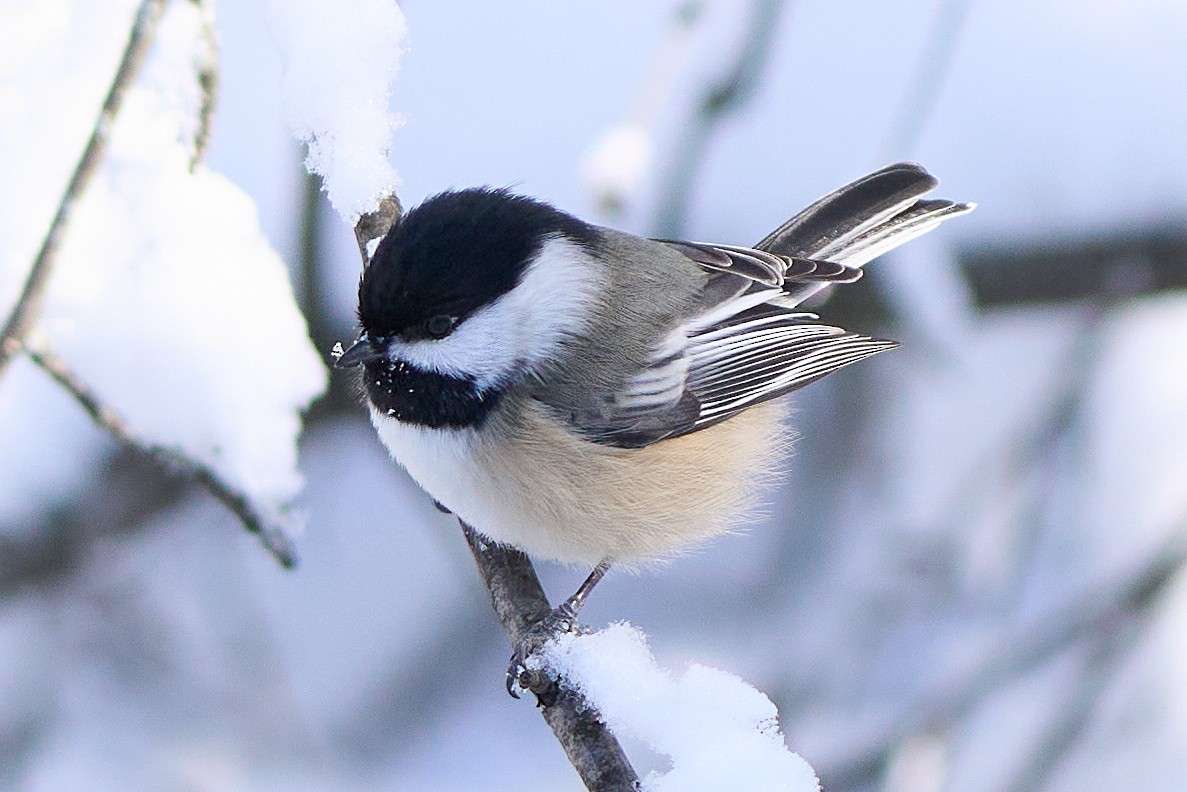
272,536
170,316
28,305
717,731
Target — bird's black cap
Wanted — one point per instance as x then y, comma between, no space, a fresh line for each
454,253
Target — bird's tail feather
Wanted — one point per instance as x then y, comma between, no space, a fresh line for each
862,220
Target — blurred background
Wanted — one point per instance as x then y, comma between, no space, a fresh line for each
970,579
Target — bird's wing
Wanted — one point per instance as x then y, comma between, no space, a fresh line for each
746,342
739,349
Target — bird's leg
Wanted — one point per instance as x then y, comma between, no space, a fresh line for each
562,619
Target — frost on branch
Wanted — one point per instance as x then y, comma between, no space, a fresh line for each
340,59
718,731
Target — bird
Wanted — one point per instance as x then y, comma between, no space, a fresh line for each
594,397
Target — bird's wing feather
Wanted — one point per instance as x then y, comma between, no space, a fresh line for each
746,342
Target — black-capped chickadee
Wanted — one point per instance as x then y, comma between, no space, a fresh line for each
594,397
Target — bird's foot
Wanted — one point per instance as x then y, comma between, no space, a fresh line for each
562,620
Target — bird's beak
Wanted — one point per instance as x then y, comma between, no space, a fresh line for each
363,350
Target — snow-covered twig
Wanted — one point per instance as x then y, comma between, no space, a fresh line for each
272,537
28,305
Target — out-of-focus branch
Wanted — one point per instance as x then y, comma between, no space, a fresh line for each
28,304
614,167
53,549
519,602
725,97
1111,647
924,90
1018,651
271,536
208,82
309,261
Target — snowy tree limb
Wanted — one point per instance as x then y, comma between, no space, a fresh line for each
519,602
28,304
271,536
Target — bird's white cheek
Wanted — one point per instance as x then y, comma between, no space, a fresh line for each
556,297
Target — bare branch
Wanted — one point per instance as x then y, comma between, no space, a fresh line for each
271,536
520,602
28,305
374,225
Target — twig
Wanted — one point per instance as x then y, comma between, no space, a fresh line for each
374,225
271,536
208,82
519,602
719,101
28,305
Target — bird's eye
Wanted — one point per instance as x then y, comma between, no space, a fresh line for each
440,325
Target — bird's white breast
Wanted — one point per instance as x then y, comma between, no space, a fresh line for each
526,481
444,462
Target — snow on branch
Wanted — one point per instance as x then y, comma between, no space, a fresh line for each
272,536
28,304
718,731
154,283
340,59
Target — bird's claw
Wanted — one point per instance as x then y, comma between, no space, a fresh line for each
562,620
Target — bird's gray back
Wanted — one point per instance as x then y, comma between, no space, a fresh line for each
649,290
